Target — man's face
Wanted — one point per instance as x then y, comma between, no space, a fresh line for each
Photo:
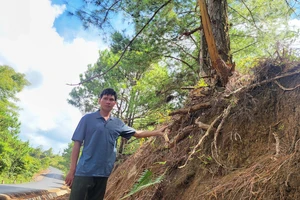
107,102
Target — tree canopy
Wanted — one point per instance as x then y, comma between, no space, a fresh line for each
174,27
169,34
160,50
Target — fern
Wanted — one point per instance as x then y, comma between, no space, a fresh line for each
144,182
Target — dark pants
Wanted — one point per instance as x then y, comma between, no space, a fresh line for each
88,188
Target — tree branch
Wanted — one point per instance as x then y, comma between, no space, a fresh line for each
127,46
180,47
244,47
293,8
251,15
108,10
242,16
189,33
186,63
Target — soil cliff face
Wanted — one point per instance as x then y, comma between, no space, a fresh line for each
238,143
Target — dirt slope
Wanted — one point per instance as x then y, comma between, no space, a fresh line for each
238,143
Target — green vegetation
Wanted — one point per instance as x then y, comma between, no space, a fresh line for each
18,161
144,181
63,161
148,65
159,54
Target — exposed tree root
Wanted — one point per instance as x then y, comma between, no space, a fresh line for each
214,151
253,182
249,183
191,109
235,136
277,139
263,82
215,156
286,89
201,140
182,134
224,115
203,125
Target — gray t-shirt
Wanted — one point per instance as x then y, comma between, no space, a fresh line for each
99,143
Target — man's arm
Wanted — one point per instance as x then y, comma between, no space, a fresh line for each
74,159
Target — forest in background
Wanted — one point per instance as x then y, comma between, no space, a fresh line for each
153,66
19,162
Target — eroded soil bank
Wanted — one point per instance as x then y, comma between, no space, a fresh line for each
237,143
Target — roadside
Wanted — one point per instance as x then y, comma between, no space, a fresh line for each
49,184
59,194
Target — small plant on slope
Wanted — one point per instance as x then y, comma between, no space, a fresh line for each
144,181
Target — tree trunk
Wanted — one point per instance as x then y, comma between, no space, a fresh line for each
129,120
217,10
215,53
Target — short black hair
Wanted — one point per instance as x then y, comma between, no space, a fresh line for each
108,91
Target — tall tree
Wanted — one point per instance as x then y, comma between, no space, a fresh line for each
175,28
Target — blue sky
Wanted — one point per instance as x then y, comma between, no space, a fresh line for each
69,27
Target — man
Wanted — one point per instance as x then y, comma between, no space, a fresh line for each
98,133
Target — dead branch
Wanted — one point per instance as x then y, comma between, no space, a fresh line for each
284,88
201,140
191,109
125,50
262,82
286,183
188,33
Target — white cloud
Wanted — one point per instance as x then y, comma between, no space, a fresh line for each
295,24
31,45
